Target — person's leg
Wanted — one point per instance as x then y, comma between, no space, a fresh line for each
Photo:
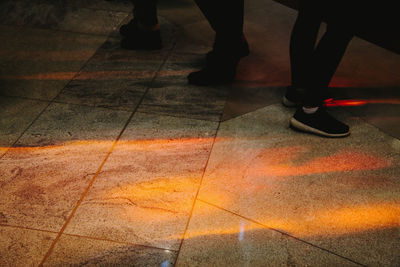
143,31
145,11
302,48
302,43
327,56
226,19
312,117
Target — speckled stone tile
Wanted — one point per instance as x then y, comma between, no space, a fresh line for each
244,99
116,5
340,194
170,94
60,15
33,70
384,116
378,106
22,247
13,122
114,77
45,175
78,251
229,240
146,189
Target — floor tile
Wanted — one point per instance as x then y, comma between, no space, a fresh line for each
218,238
20,247
122,5
114,77
45,175
78,251
340,194
171,94
243,99
60,15
16,115
32,70
146,189
378,106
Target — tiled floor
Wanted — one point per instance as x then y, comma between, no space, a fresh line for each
109,158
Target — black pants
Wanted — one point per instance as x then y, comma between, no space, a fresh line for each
224,16
145,11
313,66
226,19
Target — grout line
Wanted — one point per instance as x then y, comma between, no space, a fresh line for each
110,108
176,116
364,120
55,30
87,237
197,193
120,242
280,232
51,101
50,250
74,32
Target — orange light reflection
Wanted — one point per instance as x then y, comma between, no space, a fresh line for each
354,102
98,75
159,197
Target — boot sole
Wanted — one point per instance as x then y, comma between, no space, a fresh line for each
308,129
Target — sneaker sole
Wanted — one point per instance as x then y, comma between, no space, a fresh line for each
305,128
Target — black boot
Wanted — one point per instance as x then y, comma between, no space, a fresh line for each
221,65
138,39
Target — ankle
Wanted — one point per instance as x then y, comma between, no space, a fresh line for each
310,110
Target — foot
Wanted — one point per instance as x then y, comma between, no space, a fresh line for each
243,50
136,38
319,123
220,67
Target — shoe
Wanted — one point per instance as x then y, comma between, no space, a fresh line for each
319,123
129,29
220,66
243,50
143,40
137,39
219,70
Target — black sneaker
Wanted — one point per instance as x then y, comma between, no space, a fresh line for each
319,123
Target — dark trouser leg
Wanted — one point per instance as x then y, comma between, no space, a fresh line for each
302,43
145,11
327,56
226,18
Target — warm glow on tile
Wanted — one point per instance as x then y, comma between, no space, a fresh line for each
98,75
341,161
334,222
361,102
